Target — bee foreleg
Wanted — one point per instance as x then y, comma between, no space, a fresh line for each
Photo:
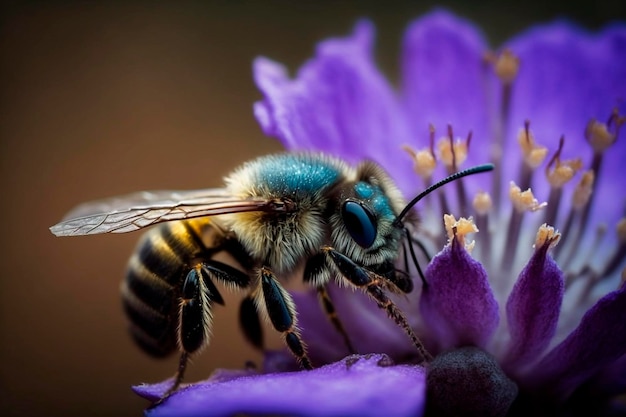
373,285
281,311
396,281
317,273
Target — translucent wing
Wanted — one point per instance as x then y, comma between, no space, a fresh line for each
135,211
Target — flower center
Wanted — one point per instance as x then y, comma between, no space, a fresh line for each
471,380
504,243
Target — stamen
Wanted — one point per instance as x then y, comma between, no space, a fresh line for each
448,157
580,199
482,205
505,66
457,229
559,173
599,135
424,162
591,254
547,235
453,152
583,190
460,185
533,154
563,171
523,201
620,254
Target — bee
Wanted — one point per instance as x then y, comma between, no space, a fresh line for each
275,215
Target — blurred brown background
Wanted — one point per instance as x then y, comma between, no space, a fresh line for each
104,99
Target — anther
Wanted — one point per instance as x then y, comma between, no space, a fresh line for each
453,152
424,161
560,172
583,190
600,135
482,203
524,200
547,235
505,65
576,218
534,154
457,229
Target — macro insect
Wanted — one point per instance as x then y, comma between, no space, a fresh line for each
276,214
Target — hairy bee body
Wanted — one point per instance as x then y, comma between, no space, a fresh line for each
279,241
153,282
276,214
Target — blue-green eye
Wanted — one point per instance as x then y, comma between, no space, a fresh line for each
360,223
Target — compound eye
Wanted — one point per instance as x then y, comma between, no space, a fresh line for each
360,222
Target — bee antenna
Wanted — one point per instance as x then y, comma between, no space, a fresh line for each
414,257
457,175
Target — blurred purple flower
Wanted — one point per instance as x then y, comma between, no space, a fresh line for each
517,328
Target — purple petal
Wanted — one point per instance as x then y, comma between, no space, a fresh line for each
533,309
338,103
458,304
444,79
611,380
606,384
369,328
153,392
597,342
567,77
356,386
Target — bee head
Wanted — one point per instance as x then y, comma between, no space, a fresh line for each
371,221
363,223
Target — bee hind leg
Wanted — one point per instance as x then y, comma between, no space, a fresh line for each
281,311
373,284
195,319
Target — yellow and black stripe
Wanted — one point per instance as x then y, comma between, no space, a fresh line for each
154,278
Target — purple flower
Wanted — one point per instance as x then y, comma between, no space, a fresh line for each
526,319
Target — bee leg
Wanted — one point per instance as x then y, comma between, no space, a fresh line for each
396,281
373,285
248,316
317,273
329,309
195,320
282,314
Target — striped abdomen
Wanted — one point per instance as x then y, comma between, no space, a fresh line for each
152,289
